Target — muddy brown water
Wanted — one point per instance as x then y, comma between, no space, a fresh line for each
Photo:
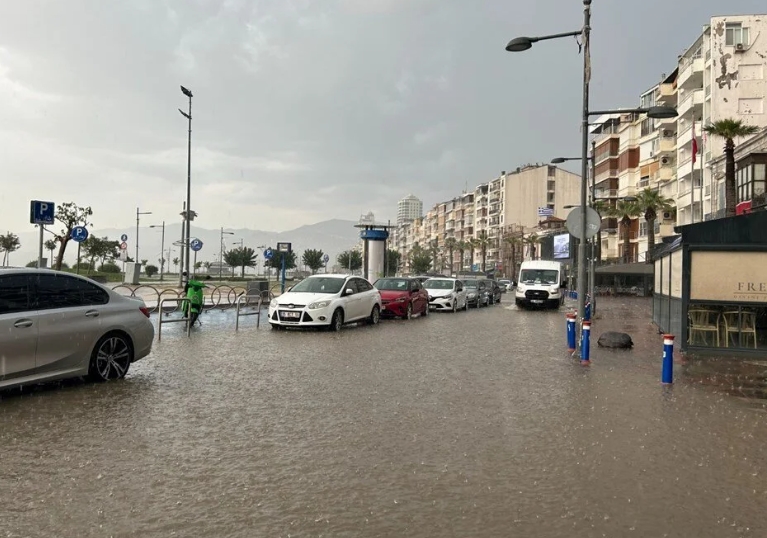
473,424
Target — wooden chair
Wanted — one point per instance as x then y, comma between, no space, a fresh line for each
702,323
735,322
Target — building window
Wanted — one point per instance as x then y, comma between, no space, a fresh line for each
552,171
735,34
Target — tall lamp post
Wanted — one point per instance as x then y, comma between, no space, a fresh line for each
520,44
162,248
138,219
190,213
221,253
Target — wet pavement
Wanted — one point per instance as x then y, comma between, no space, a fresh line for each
473,424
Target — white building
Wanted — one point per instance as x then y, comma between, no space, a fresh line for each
409,209
721,76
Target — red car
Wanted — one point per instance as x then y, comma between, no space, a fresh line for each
402,297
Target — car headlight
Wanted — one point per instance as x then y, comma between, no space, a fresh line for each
554,289
319,304
273,303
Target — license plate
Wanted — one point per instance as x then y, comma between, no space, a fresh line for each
537,301
294,315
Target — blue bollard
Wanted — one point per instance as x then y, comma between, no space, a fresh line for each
587,312
571,319
667,373
585,343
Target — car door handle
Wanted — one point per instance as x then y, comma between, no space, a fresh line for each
92,314
23,323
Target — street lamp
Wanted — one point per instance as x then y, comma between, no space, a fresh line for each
162,248
190,213
524,43
221,253
138,218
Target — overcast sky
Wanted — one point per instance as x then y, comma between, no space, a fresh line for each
304,110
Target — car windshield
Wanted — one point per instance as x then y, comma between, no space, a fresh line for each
319,285
539,276
471,283
438,284
392,284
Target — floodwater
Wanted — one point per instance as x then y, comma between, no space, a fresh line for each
473,424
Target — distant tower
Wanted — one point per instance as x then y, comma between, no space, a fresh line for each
409,209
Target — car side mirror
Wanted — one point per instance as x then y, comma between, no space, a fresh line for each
349,291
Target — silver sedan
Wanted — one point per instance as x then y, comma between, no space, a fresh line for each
54,325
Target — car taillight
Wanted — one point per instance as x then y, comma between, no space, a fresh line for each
144,310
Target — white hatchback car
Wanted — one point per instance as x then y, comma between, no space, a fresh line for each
446,294
326,301
55,325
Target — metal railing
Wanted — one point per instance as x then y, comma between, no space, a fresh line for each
246,300
187,319
220,297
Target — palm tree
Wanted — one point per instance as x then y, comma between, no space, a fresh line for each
450,244
9,243
650,201
50,245
472,243
601,207
625,212
461,247
482,242
730,129
531,241
513,242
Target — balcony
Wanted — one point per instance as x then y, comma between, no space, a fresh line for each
605,193
613,172
629,190
684,169
667,230
690,73
665,124
666,95
665,173
691,101
667,144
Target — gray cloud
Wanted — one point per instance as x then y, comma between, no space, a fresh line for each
303,110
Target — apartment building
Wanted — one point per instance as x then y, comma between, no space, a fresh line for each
721,75
409,209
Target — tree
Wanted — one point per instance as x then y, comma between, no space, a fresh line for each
482,242
434,254
206,265
144,262
197,265
241,257
175,263
50,245
601,207
276,261
312,258
102,249
651,201
392,262
531,241
69,215
461,246
150,270
730,129
420,260
9,243
350,259
625,212
450,245
109,268
515,243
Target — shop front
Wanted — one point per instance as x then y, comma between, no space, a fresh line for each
711,286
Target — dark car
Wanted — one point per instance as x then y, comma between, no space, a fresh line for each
477,292
494,291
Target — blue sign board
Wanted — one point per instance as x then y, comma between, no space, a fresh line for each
79,234
196,245
42,212
326,258
268,254
124,238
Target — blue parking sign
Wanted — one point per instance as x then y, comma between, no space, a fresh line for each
42,212
79,234
268,254
195,244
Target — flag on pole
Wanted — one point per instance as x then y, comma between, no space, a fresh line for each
586,54
694,144
545,212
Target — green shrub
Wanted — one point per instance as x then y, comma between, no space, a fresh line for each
109,268
151,270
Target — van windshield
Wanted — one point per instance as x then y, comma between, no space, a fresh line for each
539,276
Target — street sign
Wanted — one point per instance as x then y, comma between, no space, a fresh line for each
268,253
196,245
123,246
179,243
42,212
79,234
326,258
283,247
124,238
574,223
123,255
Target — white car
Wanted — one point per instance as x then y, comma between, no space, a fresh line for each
446,294
326,301
54,325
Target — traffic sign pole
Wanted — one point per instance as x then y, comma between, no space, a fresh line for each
40,251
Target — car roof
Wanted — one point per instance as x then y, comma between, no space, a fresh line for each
332,275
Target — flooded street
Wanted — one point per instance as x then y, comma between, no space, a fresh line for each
473,424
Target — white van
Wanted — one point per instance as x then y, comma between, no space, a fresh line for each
540,284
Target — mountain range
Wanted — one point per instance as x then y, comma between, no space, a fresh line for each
331,236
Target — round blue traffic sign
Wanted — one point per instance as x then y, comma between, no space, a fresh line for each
79,234
124,238
268,254
196,244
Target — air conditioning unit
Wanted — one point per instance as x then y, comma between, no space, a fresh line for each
668,215
668,133
739,47
665,160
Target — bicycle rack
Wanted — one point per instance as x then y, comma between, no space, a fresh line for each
179,301
246,300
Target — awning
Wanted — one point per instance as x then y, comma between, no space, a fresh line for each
627,269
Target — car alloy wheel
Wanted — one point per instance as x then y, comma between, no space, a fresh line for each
455,306
337,321
409,313
111,358
375,315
